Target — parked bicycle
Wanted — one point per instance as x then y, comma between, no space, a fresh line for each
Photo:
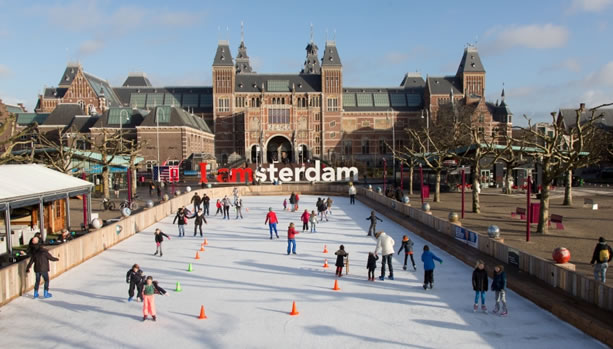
108,205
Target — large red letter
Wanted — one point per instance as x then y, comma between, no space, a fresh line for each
222,175
238,175
203,178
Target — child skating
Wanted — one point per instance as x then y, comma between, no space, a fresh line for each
291,238
340,260
134,277
159,238
305,220
428,258
480,285
219,208
284,204
373,223
499,284
407,246
313,221
371,265
150,288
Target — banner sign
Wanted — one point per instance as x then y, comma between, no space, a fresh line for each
466,236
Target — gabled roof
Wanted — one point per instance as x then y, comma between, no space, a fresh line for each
331,57
173,116
69,74
63,114
54,92
413,80
569,116
470,62
278,83
137,80
223,56
102,88
442,85
500,112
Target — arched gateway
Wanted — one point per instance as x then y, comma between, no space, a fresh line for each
279,149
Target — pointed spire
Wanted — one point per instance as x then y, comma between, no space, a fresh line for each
242,59
311,63
502,94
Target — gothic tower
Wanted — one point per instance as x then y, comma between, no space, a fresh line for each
332,101
223,90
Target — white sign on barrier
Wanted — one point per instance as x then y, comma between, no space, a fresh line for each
466,236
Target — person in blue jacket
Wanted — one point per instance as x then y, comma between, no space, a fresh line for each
428,258
498,285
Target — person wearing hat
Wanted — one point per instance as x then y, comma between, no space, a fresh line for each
271,220
40,257
600,259
385,243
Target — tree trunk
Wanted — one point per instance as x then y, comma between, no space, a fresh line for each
507,179
476,188
437,187
568,189
132,170
544,213
105,182
410,180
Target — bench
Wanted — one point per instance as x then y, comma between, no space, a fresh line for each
519,211
557,219
590,203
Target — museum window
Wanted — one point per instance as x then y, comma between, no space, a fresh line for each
481,118
317,128
332,123
365,146
317,116
315,101
317,150
278,116
333,104
332,134
255,102
223,105
240,102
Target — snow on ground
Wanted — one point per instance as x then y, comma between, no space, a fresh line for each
247,284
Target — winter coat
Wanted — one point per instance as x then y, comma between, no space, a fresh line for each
329,202
238,203
385,243
313,218
199,218
373,219
226,202
372,262
428,258
271,218
218,204
157,289
407,246
292,199
206,200
305,217
180,217
291,233
352,190
196,200
480,280
500,281
340,258
296,198
596,256
40,259
135,277
159,238
322,206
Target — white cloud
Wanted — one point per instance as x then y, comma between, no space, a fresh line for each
4,71
534,36
89,47
588,5
601,77
569,64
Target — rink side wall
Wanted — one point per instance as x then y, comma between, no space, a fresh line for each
14,282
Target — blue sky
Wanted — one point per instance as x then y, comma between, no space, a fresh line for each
548,54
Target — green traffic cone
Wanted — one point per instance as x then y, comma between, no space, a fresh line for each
178,289
189,268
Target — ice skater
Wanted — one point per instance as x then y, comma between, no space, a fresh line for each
284,204
292,201
159,238
271,220
305,220
199,219
181,220
226,207
385,244
322,208
238,205
296,202
291,238
373,223
134,277
150,289
219,208
352,193
371,265
428,258
196,200
480,283
313,221
340,260
40,257
329,205
407,246
499,284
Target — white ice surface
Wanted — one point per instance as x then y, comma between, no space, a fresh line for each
247,284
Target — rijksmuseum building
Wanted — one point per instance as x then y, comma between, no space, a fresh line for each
264,118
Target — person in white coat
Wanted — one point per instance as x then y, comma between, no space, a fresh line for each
352,192
386,245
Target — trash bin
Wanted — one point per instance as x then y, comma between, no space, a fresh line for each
535,210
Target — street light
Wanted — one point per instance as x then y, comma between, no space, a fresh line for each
389,110
157,131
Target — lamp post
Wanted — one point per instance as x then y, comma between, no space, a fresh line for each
528,213
157,132
421,178
121,114
427,117
384,174
463,189
390,111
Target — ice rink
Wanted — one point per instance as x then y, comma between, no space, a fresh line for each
247,284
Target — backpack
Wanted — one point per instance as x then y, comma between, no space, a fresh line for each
604,256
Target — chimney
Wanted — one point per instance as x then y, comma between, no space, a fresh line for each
582,107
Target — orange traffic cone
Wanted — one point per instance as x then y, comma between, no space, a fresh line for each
197,255
294,312
205,242
202,248
325,263
336,288
325,249
202,314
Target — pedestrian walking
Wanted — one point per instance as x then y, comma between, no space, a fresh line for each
385,244
371,265
305,220
600,259
199,219
352,192
499,284
373,223
159,238
271,220
134,277
196,200
150,289
40,257
238,205
206,202
428,258
291,238
340,260
480,283
313,221
407,246
181,220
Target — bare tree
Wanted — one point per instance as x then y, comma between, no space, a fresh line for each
58,149
11,139
108,145
513,155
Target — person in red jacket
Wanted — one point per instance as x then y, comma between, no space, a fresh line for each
271,220
305,220
296,199
291,239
